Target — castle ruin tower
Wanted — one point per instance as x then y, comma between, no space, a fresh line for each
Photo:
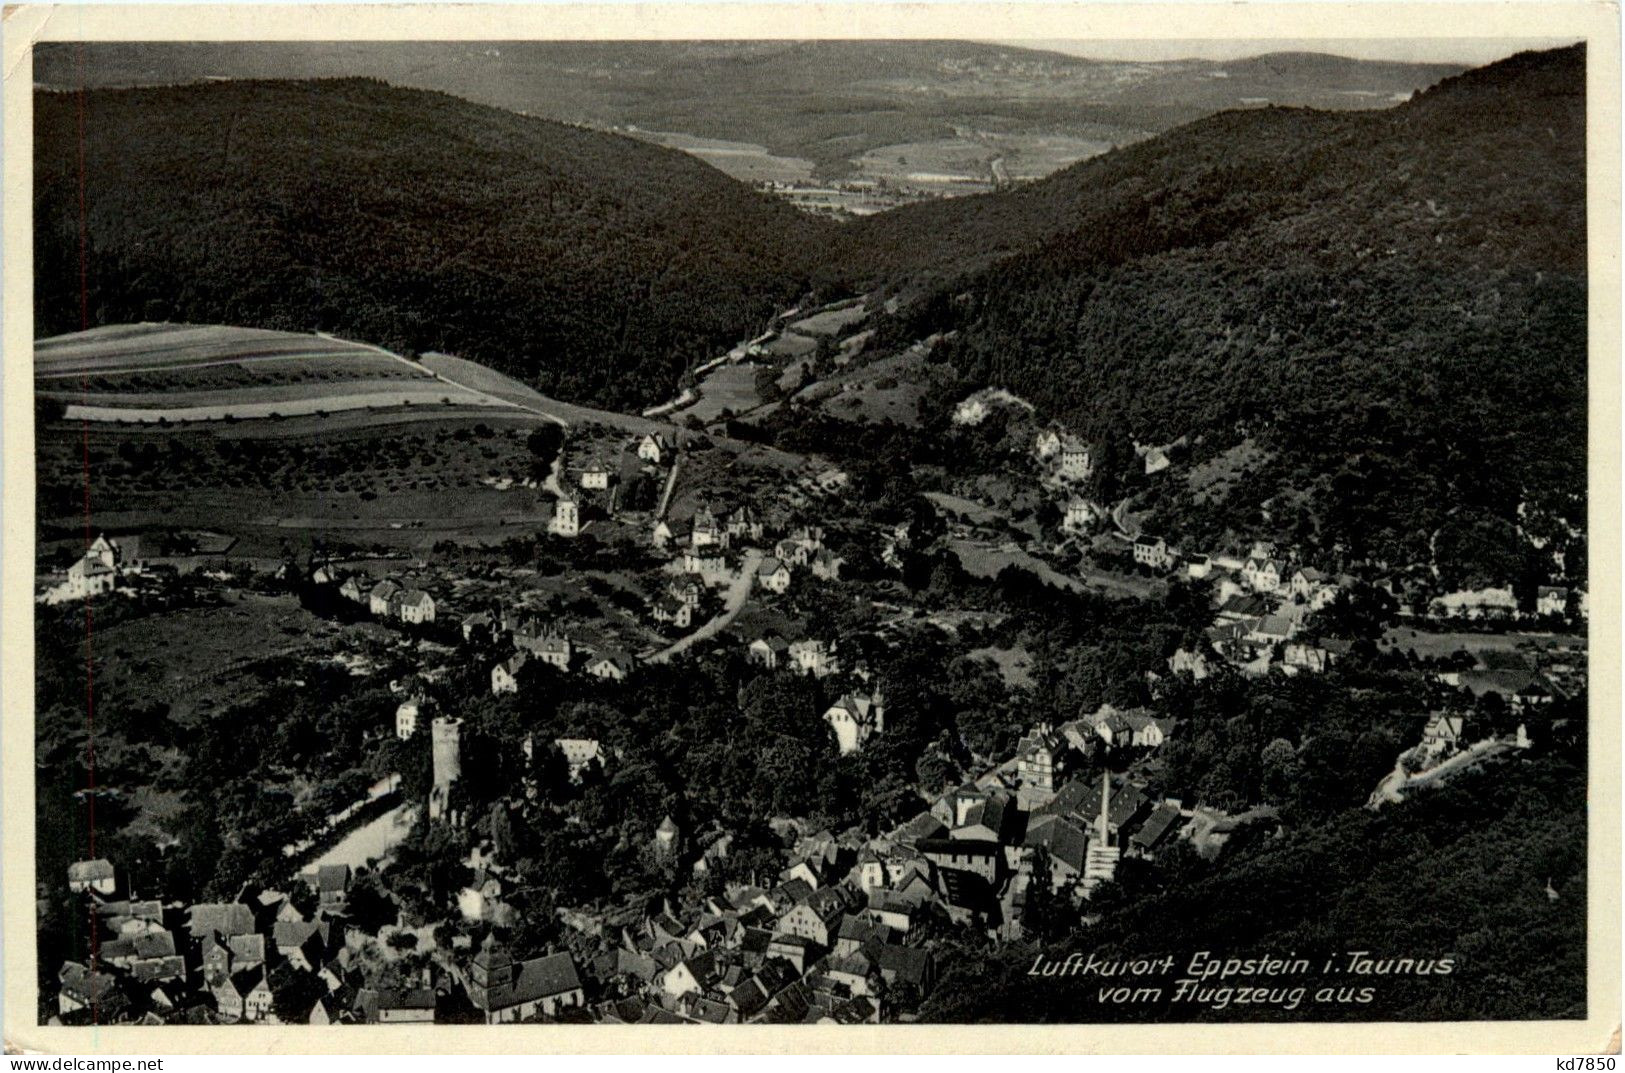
448,765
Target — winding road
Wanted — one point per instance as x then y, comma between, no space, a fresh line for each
732,602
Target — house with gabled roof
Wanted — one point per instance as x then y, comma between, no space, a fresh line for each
220,918
416,607
613,666
1158,828
653,447
97,875
1443,734
768,651
1066,843
773,575
671,612
855,718
505,675
78,989
379,599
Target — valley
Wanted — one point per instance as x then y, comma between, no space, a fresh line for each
744,614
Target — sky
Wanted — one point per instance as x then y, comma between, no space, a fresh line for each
1468,51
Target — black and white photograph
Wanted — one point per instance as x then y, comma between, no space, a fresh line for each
821,531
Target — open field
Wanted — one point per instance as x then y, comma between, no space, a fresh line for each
744,161
381,473
727,387
151,373
1427,644
133,348
830,321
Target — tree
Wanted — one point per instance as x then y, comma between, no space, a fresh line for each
545,442
1280,765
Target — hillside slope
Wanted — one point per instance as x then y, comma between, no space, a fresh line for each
592,266
1394,303
827,102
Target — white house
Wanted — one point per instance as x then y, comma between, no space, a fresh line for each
596,478
1079,514
1152,551
96,571
613,668
855,718
773,575
1156,460
417,606
813,657
1076,463
652,448
566,520
1476,604
1305,580
379,599
505,675
672,612
1551,600
767,651
1046,443
1443,734
552,648
94,875
1262,575
507,991
406,718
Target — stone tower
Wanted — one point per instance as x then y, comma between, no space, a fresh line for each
448,765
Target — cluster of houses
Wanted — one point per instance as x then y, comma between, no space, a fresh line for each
1262,604
263,959
533,642
386,599
104,567
598,482
1499,604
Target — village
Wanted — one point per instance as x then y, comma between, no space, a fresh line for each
664,558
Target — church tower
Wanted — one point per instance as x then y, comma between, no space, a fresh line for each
490,973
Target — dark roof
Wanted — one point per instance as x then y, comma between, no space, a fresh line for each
1065,841
923,826
333,877
960,846
541,977
414,998
748,997
224,918
755,940
1157,826
908,963
966,890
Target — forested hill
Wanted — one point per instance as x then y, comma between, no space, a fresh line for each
588,264
1392,305
1492,126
